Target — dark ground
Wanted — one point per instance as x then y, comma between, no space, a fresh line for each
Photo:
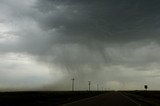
57,98
53,98
151,98
107,99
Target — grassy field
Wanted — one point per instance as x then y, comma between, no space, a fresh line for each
43,98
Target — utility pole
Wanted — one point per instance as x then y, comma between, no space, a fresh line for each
89,84
72,84
97,87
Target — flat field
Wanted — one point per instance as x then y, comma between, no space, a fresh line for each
43,98
58,98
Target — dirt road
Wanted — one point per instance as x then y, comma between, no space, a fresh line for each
108,99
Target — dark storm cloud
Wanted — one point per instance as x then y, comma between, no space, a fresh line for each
91,39
101,21
98,32
76,33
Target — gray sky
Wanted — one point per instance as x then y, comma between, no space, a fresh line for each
113,43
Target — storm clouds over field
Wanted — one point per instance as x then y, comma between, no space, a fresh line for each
113,43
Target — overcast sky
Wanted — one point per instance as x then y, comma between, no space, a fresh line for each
113,43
